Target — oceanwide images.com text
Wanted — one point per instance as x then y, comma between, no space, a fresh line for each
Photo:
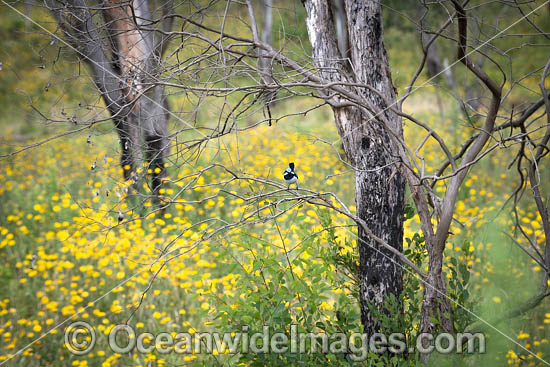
80,339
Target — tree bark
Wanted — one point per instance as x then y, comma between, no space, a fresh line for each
125,71
341,23
379,186
264,63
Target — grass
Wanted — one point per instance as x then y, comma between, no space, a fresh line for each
65,257
56,211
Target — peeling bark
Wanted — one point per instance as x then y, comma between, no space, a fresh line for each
341,23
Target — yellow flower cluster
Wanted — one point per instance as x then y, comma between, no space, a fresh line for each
67,257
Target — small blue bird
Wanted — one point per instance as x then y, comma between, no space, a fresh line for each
290,176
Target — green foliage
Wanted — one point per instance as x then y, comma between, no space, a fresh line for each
275,295
299,276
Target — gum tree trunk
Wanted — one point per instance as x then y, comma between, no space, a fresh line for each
264,63
379,187
125,68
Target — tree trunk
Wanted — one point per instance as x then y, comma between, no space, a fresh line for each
379,187
134,51
125,70
29,4
264,63
341,23
379,197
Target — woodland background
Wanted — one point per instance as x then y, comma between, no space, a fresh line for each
63,248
